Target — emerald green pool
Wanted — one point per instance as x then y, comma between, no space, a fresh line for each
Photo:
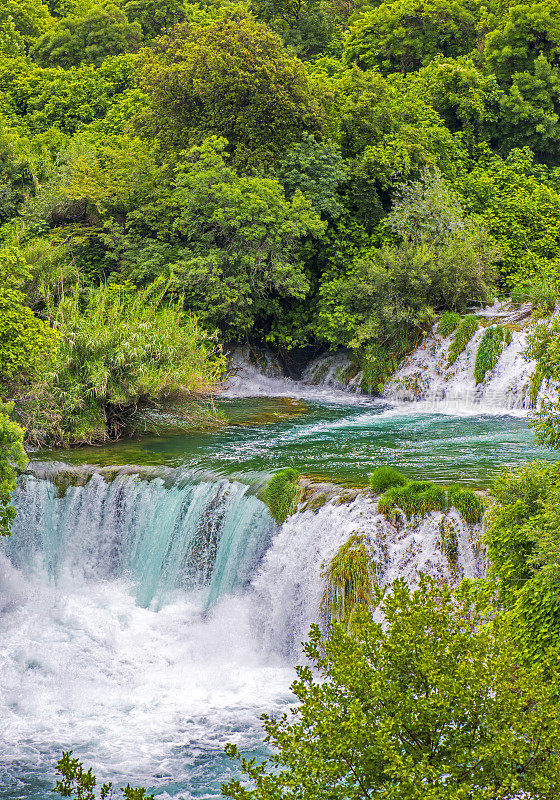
328,441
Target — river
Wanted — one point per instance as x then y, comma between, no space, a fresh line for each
148,619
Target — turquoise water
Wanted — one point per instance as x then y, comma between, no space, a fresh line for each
333,442
142,621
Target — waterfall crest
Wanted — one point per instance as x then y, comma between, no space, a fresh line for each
202,535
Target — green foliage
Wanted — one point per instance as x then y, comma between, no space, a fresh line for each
522,530
395,291
526,31
518,202
544,347
402,35
524,552
120,351
155,16
89,39
234,242
448,323
383,478
349,577
464,332
80,784
427,211
231,78
282,493
12,458
434,702
467,504
28,346
309,28
414,498
316,169
488,351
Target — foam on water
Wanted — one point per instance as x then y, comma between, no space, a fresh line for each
426,377
145,646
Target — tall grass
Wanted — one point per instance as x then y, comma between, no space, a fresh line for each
121,350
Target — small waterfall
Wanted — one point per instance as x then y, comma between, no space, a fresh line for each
426,377
202,535
336,370
289,584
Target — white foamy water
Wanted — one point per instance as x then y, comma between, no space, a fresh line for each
144,626
426,378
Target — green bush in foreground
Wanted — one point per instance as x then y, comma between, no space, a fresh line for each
488,351
463,334
433,704
448,323
282,494
80,784
383,478
467,504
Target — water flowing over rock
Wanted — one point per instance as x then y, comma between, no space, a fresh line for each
426,377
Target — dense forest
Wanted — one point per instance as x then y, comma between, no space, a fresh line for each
305,175
301,175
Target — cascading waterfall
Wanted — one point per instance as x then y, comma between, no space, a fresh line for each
145,623
181,537
425,376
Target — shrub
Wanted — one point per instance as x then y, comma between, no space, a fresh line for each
433,703
349,581
120,351
488,351
383,478
282,494
415,497
467,504
448,323
463,334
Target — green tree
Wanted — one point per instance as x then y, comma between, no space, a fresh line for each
30,18
524,553
12,458
403,35
435,704
155,16
105,31
518,202
236,239
232,78
309,27
525,31
80,784
316,169
28,346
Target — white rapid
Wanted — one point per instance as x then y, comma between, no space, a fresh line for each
426,378
146,623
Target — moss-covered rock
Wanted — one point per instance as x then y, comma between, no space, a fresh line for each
282,494
464,332
350,579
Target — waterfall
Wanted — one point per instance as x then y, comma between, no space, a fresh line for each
147,622
201,535
288,586
426,377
